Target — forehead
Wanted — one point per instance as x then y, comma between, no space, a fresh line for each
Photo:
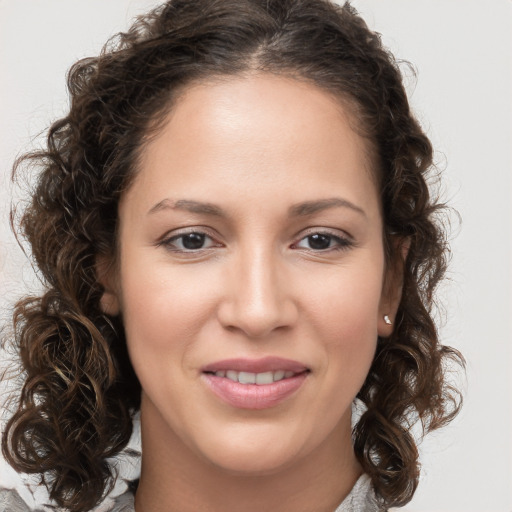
240,105
258,132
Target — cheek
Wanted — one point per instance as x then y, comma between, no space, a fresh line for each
345,316
347,301
162,314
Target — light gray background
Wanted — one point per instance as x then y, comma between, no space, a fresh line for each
463,53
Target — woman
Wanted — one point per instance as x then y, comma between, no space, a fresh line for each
237,238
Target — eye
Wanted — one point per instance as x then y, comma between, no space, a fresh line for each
189,242
323,242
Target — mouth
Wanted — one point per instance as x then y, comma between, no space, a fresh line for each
255,384
260,379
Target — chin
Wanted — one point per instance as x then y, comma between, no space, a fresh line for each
252,463
252,450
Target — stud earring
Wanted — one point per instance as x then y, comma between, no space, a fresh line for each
387,321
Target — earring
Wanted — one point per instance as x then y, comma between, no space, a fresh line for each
387,321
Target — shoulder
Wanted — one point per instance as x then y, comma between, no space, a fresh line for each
124,503
11,501
362,498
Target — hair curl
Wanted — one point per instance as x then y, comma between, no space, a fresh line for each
80,391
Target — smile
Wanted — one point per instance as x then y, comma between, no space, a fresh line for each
260,379
255,384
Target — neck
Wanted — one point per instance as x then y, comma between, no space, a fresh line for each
176,479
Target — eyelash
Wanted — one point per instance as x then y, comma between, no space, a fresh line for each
168,242
341,243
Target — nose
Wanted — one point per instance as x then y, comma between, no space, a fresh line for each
259,298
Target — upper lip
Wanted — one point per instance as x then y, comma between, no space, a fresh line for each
265,364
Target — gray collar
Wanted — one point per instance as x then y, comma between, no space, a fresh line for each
361,499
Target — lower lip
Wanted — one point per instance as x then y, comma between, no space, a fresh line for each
253,396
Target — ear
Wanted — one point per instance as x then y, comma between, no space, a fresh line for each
392,288
109,302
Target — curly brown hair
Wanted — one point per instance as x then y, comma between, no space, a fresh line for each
80,392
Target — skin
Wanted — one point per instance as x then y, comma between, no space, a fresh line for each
254,147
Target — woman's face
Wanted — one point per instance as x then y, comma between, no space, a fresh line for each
251,273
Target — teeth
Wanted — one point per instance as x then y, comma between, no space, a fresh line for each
280,374
232,375
264,378
255,378
247,378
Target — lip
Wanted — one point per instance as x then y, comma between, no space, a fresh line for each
254,396
265,364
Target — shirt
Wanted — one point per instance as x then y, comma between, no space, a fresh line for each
362,498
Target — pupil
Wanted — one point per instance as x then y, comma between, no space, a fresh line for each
319,241
193,241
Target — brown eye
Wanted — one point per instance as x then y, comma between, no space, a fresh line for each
189,242
319,241
323,242
193,241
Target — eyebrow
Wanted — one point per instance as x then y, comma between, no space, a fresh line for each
298,210
311,207
187,205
